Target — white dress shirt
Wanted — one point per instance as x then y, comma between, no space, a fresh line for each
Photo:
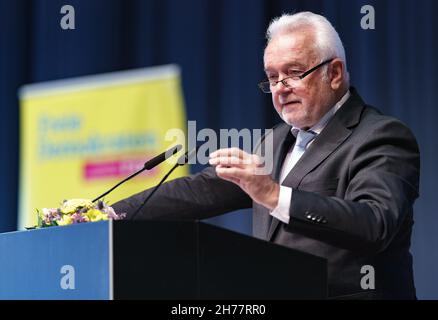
281,212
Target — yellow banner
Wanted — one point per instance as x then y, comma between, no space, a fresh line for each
81,136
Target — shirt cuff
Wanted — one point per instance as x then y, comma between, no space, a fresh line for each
281,211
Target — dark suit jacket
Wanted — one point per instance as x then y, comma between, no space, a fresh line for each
353,193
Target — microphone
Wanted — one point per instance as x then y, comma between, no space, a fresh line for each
182,160
150,164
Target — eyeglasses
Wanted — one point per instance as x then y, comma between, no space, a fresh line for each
266,86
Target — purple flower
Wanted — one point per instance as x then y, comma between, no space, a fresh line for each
77,211
78,218
113,215
49,216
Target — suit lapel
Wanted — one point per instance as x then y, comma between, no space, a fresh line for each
332,136
323,145
284,139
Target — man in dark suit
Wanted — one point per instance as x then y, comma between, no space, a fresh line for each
344,177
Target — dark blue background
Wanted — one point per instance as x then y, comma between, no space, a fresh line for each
219,45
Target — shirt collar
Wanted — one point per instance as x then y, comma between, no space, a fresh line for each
320,125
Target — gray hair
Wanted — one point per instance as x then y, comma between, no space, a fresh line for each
327,40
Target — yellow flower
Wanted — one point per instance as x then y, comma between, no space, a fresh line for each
70,206
65,220
95,215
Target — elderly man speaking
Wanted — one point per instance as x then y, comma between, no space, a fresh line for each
344,176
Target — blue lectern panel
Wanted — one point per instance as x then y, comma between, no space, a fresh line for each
71,262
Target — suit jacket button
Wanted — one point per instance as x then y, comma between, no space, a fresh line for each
313,218
319,219
324,221
309,217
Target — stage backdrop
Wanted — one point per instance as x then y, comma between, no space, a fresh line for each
81,136
219,46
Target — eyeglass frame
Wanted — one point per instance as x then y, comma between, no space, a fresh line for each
300,77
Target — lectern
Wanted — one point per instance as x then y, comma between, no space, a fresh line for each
153,260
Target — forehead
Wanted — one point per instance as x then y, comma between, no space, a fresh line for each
289,49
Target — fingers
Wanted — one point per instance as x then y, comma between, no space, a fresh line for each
236,165
229,152
230,172
233,157
228,161
229,157
235,175
248,172
226,174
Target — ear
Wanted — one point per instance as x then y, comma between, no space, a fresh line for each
336,73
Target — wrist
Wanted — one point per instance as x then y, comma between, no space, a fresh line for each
273,196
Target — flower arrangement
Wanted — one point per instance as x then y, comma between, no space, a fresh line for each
76,211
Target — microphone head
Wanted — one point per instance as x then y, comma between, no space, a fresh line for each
162,157
151,163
